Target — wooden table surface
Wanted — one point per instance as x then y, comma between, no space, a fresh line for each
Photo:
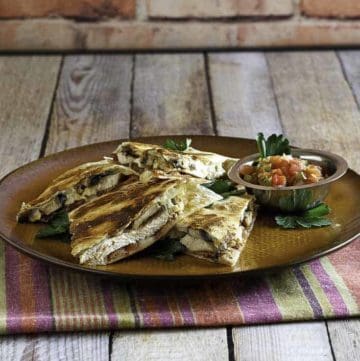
49,103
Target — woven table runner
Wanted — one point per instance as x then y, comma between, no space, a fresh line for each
35,297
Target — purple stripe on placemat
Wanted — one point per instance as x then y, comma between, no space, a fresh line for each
13,320
44,317
106,288
153,306
166,316
256,301
185,308
308,292
332,293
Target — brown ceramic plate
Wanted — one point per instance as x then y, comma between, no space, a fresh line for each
268,247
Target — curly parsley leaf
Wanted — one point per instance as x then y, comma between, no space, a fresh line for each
166,249
224,187
179,146
57,226
309,219
319,211
291,222
286,221
273,145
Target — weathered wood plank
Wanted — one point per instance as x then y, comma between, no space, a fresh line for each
315,102
67,347
304,341
242,94
92,101
350,60
27,87
317,108
244,104
345,339
92,104
170,95
171,345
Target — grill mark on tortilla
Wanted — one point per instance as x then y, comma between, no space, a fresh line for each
201,221
114,221
124,193
134,198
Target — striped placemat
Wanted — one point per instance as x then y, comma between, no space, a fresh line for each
35,297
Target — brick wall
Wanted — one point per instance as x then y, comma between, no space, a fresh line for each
176,24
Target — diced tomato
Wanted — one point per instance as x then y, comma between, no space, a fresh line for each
278,180
285,170
277,171
276,161
282,171
294,168
246,170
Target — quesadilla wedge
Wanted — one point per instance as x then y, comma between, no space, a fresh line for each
218,233
121,223
75,187
191,161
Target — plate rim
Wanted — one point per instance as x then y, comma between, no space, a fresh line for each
51,260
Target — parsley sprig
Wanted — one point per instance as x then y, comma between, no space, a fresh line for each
224,187
57,226
314,217
273,145
179,146
166,249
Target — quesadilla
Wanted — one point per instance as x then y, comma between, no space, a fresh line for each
121,223
75,187
218,233
191,161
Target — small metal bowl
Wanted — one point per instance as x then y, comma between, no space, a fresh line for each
294,198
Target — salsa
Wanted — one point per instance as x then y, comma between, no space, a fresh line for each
281,171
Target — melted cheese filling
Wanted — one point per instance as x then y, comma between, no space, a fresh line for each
72,195
152,159
186,164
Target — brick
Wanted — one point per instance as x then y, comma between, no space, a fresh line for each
331,8
55,35
84,9
178,9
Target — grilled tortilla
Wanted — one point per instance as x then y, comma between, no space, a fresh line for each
121,223
194,162
75,187
218,233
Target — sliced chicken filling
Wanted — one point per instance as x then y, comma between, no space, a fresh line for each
83,191
139,235
201,243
